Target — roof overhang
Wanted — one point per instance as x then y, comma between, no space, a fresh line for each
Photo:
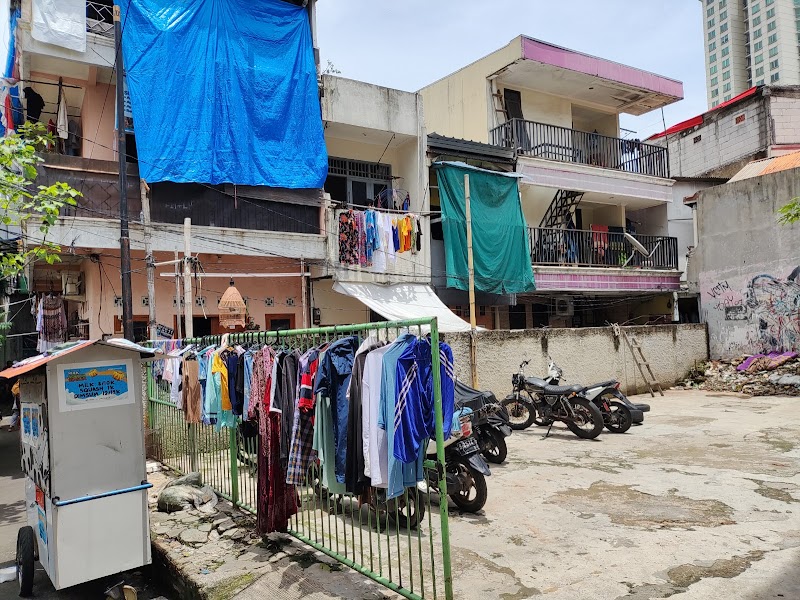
590,80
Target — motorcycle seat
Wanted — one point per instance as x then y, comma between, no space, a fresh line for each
536,382
559,390
609,383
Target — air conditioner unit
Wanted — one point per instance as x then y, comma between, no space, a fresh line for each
564,306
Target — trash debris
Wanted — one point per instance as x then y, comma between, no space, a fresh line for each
775,374
187,492
8,574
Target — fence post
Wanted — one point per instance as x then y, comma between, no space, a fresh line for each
440,461
192,440
233,450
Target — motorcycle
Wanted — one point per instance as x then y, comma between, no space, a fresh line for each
490,422
465,468
618,412
534,400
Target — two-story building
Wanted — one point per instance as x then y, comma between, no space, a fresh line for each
555,112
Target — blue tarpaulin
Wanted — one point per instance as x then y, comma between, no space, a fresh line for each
224,91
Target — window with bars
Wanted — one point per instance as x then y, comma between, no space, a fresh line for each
356,182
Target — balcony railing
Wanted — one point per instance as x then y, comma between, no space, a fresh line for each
100,18
575,248
551,142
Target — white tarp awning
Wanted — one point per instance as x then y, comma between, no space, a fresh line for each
404,301
61,23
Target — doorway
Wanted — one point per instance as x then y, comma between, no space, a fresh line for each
517,317
279,322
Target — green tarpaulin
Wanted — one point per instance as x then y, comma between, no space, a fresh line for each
500,248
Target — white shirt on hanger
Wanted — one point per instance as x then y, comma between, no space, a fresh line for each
375,442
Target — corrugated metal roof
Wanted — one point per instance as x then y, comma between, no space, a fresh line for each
764,166
439,143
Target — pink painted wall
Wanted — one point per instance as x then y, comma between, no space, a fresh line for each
97,122
101,289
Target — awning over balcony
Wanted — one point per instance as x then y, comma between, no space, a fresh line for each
404,301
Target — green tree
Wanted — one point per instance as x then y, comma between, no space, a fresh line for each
789,213
21,200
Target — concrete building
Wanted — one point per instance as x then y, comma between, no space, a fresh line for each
278,245
749,43
557,112
746,266
762,122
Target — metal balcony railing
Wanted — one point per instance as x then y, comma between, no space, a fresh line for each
100,18
575,248
562,144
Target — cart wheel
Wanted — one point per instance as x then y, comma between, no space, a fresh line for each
25,549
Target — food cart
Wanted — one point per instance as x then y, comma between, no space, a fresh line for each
82,438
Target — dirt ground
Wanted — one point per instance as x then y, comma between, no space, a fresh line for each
699,502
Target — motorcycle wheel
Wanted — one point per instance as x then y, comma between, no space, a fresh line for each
619,419
410,509
521,414
589,421
472,497
494,446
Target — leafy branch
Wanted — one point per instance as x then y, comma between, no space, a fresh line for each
789,213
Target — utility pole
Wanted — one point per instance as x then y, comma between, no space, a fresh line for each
151,265
178,311
304,292
187,277
473,334
122,151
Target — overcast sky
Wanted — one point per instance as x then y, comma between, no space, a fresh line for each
407,44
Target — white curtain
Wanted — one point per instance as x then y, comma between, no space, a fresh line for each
61,23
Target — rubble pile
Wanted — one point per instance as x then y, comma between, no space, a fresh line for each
762,377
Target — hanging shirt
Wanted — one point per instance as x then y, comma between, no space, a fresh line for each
192,400
303,426
333,379
212,402
287,401
396,235
348,238
373,241
415,416
248,377
400,475
374,442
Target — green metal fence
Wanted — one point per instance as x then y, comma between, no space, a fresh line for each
401,544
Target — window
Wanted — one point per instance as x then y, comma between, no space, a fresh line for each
726,51
356,182
726,87
756,21
758,46
759,71
723,15
773,38
770,13
774,77
773,64
715,103
712,70
773,52
710,23
755,8
723,3
771,26
712,34
712,46
713,81
712,58
769,2
759,59
723,28
710,11
726,98
726,63
726,75
724,39
760,82
714,93
757,33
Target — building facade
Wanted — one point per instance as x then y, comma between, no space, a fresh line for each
749,43
557,112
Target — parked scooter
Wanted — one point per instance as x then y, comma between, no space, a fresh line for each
490,423
606,395
533,399
465,468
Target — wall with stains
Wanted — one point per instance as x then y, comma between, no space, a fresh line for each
748,266
586,355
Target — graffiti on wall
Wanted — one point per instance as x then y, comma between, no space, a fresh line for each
770,304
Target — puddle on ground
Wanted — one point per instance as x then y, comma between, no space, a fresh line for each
627,506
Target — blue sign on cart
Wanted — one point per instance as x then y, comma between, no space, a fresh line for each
95,386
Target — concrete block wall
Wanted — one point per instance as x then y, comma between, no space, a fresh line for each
586,355
785,111
722,142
